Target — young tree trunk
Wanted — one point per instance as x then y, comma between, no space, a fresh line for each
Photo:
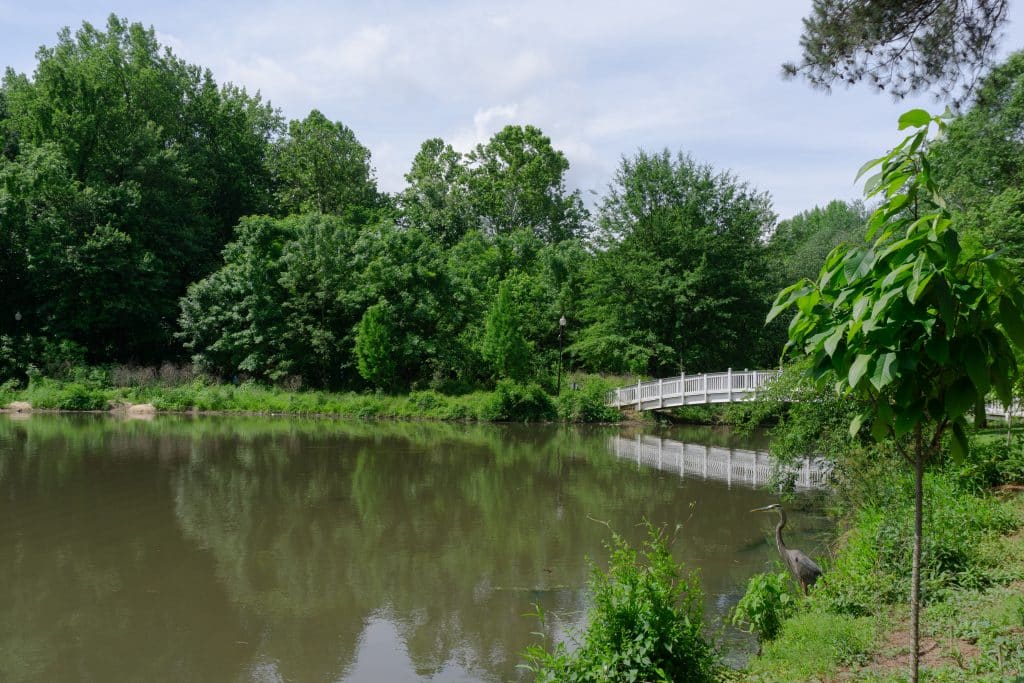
915,578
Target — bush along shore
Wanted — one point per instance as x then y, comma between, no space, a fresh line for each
581,399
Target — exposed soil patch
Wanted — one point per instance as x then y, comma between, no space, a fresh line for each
894,654
18,407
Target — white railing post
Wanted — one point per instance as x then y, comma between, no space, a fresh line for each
728,382
639,398
704,384
682,388
661,393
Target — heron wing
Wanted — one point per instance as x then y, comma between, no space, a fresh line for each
805,567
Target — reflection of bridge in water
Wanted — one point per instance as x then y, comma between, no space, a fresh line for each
731,465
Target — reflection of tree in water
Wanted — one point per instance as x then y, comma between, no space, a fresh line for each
315,528
81,587
451,537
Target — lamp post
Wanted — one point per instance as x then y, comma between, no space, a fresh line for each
561,326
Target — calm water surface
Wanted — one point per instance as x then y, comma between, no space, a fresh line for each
259,549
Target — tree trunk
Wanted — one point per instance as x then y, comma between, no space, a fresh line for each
915,578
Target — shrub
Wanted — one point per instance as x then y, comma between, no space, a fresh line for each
993,463
589,403
766,604
646,624
75,396
514,402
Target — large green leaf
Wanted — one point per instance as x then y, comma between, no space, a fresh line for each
974,360
915,118
959,443
1010,319
786,298
960,397
858,368
884,372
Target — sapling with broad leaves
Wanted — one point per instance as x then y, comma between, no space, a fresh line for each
911,321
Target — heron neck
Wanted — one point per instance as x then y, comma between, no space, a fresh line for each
778,531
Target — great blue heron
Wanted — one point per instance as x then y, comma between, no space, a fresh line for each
803,568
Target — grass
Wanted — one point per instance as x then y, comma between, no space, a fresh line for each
813,646
92,389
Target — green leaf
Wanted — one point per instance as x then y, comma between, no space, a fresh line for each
999,271
885,371
855,425
867,167
905,420
1010,319
960,397
959,444
858,368
786,298
977,369
832,341
915,118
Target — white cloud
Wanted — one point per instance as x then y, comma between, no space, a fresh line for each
486,122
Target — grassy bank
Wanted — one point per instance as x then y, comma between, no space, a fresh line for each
97,389
855,624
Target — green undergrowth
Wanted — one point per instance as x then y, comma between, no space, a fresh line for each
645,624
86,389
972,574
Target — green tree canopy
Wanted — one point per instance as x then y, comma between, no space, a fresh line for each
981,162
799,245
161,164
679,279
504,344
437,198
517,180
320,166
375,347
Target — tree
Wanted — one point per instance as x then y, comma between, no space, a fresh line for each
981,162
162,164
517,181
375,347
799,245
437,198
504,344
680,274
912,323
905,46
320,166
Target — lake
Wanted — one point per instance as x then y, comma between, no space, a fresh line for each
273,549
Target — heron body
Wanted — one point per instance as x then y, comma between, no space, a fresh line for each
805,570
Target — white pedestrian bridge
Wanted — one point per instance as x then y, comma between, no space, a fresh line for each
724,387
738,466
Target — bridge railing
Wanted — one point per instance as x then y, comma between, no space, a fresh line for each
726,387
712,387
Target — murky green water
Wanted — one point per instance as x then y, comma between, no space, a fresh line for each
236,549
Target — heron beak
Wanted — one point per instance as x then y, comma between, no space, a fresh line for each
764,509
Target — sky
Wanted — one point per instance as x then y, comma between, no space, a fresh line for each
601,79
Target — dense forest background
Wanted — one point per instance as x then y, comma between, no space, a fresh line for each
149,214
